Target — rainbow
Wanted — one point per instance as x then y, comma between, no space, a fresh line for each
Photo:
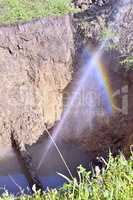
104,76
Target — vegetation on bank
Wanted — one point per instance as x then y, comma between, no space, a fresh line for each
114,182
12,11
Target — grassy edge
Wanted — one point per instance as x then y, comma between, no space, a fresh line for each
20,11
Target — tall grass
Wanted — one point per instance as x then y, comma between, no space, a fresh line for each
114,182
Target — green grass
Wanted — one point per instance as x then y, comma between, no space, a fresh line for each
115,182
12,11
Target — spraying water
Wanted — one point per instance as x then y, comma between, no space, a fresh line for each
90,67
92,78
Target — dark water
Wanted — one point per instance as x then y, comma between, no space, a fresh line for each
13,180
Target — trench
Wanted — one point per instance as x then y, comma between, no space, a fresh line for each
14,176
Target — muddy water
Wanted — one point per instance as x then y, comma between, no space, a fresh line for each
12,177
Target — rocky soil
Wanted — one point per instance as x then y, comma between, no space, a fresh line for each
85,4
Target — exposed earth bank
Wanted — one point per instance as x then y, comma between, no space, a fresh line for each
35,67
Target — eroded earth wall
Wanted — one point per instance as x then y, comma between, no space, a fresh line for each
35,67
